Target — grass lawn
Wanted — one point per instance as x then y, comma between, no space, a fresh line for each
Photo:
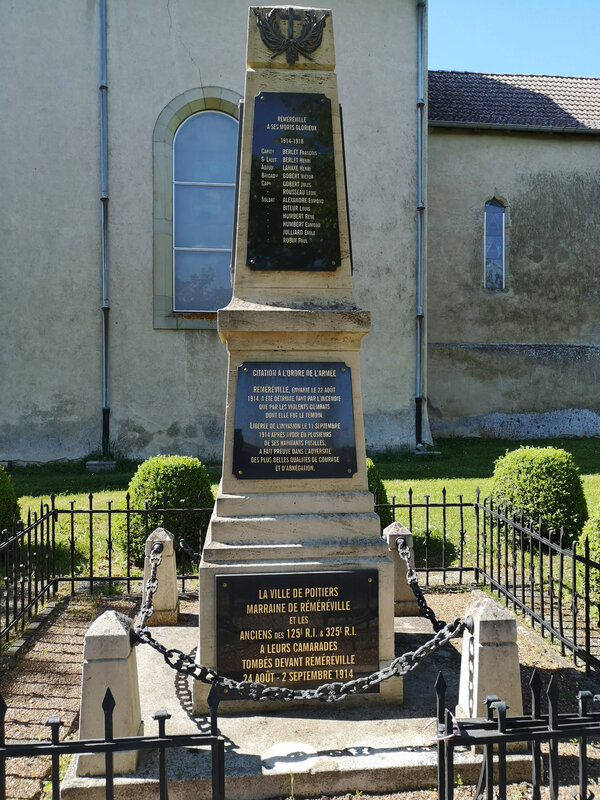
467,464
462,466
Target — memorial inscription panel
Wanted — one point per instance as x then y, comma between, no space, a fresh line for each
293,214
294,419
298,629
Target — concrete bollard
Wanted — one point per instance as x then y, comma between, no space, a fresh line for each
109,663
490,661
165,601
405,603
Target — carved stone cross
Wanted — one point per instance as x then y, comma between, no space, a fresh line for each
291,14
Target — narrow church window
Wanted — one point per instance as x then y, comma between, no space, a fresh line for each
204,166
494,245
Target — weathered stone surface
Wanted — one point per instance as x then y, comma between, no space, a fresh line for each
489,661
109,663
165,602
405,603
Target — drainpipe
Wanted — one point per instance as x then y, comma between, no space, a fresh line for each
420,314
103,89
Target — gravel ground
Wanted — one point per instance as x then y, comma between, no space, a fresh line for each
40,677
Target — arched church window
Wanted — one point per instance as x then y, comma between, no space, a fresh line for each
194,148
204,167
494,275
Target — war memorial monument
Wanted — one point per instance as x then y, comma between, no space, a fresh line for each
296,584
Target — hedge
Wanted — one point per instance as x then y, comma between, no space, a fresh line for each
542,482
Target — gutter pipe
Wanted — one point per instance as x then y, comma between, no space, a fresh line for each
103,90
420,314
496,126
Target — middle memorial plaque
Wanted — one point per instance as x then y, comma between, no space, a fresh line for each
294,419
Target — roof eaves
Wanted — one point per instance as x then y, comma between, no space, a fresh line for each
497,126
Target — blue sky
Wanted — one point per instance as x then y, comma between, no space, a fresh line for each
538,37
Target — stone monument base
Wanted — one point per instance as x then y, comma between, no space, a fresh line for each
296,600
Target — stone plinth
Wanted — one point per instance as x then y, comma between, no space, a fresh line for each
490,661
405,603
165,602
109,663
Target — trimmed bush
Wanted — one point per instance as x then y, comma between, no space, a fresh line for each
9,505
170,480
591,531
542,481
377,489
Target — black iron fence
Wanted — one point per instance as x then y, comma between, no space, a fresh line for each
86,546
108,745
542,577
440,531
497,733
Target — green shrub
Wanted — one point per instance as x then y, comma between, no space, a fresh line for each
542,481
167,480
9,505
591,532
377,489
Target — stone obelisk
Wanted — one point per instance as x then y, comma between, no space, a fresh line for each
296,585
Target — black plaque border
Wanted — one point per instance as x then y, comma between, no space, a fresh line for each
231,593
246,446
265,248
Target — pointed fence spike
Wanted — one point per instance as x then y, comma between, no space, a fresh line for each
440,684
108,704
553,693
535,686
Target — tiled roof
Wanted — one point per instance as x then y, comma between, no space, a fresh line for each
541,101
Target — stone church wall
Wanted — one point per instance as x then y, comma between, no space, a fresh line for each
523,362
167,387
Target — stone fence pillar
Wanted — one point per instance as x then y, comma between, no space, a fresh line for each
166,599
405,603
490,661
109,663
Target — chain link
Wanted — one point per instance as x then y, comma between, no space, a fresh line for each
329,692
413,582
185,548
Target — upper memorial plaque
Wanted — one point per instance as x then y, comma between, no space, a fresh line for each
293,210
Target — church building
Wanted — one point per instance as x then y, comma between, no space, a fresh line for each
472,203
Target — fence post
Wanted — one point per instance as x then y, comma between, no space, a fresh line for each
490,660
109,663
165,602
405,603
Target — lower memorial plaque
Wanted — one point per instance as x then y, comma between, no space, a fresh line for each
297,629
294,420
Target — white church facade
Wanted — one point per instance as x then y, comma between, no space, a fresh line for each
471,200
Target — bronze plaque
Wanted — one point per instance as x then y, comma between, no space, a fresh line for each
298,629
293,211
294,419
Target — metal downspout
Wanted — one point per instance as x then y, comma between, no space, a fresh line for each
103,89
420,314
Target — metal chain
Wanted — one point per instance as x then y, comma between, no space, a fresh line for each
413,582
185,548
329,692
